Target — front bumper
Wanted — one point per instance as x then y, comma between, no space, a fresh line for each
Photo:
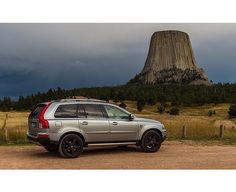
164,138
164,135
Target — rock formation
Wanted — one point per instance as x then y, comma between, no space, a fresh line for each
171,60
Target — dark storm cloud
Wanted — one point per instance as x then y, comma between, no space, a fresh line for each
36,57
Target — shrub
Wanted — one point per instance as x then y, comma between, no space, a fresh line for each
165,104
151,101
232,110
174,111
175,103
161,109
210,113
123,105
140,104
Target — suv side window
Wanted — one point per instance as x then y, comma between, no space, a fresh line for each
93,111
66,111
115,113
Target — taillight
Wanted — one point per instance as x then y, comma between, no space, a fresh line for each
43,123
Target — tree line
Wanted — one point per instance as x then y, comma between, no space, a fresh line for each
176,94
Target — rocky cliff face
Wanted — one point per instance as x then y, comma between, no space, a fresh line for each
171,60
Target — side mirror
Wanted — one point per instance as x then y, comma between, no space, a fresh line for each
131,117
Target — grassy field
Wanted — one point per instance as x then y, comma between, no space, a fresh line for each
200,127
198,124
14,130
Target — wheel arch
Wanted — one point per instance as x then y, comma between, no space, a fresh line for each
72,132
149,129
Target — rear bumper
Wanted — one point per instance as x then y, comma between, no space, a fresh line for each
41,141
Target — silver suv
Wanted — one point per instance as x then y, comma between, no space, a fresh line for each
69,125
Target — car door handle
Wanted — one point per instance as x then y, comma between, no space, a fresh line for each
114,123
84,123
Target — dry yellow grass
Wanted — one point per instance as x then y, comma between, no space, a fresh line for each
15,119
196,120
16,127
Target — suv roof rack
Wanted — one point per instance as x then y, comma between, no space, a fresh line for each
79,100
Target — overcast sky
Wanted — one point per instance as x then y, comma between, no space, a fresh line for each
36,57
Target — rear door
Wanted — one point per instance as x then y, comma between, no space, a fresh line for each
95,125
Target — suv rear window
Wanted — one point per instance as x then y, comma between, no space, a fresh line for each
36,112
66,111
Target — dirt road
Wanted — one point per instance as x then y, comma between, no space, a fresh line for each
172,155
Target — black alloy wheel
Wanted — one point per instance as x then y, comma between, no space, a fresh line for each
151,141
71,146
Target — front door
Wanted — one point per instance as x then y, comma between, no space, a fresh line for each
121,127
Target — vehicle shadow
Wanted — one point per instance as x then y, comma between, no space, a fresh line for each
91,151
109,150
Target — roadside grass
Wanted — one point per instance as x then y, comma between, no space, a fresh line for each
199,126
15,129
18,135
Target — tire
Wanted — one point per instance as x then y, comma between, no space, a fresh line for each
51,149
151,141
71,146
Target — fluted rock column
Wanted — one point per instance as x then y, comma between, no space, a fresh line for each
171,60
